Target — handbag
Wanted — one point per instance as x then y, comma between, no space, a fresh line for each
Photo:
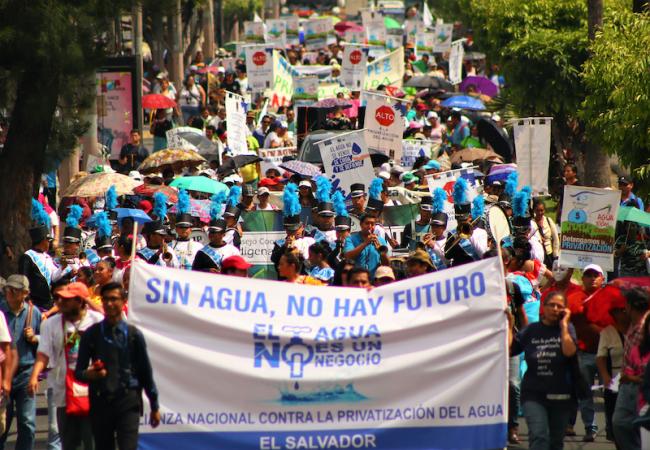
77,402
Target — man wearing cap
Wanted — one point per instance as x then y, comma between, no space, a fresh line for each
366,248
383,275
157,252
419,263
588,334
209,258
342,225
247,197
263,195
410,181
468,243
432,166
183,246
323,228
358,197
626,185
434,241
235,266
420,114
24,323
69,261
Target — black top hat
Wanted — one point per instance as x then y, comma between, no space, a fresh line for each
184,220
112,217
232,211
505,200
357,190
154,227
291,223
439,218
217,226
426,203
521,222
463,209
326,209
375,205
343,223
72,235
39,234
103,242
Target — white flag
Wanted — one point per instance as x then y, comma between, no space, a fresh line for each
427,17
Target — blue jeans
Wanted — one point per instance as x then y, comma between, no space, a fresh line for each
25,412
514,391
546,424
626,434
589,370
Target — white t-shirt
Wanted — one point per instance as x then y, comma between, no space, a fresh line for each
4,330
51,345
610,343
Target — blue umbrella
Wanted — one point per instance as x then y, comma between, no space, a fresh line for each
463,102
137,215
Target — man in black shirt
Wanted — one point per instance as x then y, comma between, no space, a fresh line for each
132,154
120,370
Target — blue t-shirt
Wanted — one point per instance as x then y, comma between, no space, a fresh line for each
369,257
633,201
460,132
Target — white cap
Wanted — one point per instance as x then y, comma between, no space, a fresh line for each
465,119
383,174
284,124
234,178
263,190
135,175
496,117
594,267
305,183
432,115
221,69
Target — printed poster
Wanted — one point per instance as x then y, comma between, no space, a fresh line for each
412,149
317,32
272,157
425,43
305,88
373,22
259,66
355,37
354,67
387,70
114,110
276,33
443,35
456,62
292,30
384,124
533,148
588,227
236,119
254,32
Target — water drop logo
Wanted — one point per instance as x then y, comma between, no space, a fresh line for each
356,149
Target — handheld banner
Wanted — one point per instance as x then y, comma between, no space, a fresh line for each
255,364
276,33
425,43
387,70
412,149
443,35
305,88
236,119
355,37
533,148
272,157
293,30
282,89
346,160
331,90
384,123
456,62
353,69
588,227
373,22
317,32
254,32
446,181
259,66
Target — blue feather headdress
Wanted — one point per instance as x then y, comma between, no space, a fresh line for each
74,216
439,199
521,202
39,216
376,186
511,184
104,228
216,205
460,191
323,189
339,204
291,201
160,205
111,198
478,206
233,196
183,206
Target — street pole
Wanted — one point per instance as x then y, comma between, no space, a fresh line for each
139,71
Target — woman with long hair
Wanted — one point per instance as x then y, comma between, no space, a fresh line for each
547,232
318,254
290,269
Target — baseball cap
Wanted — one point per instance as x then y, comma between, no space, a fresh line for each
383,174
235,262
408,177
432,165
384,272
432,115
304,183
624,180
263,191
17,281
594,267
264,182
421,107
221,69
74,290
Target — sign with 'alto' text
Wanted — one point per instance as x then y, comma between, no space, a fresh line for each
353,69
259,66
384,123
257,364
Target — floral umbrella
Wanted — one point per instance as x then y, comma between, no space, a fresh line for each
147,190
198,208
173,158
96,184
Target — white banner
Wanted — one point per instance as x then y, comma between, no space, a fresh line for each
394,40
412,149
254,32
353,69
456,62
373,22
355,37
317,32
276,33
293,30
282,88
443,36
305,88
588,227
425,43
533,149
272,157
236,119
256,247
259,66
245,364
387,70
384,124
346,160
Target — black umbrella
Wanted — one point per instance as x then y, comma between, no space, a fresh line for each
489,131
235,162
425,81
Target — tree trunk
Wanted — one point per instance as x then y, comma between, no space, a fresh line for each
595,17
176,60
208,31
21,161
158,38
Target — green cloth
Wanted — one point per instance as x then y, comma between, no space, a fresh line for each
421,66
470,142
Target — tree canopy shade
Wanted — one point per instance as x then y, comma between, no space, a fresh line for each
616,109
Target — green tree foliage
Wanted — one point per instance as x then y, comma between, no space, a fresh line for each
617,77
240,10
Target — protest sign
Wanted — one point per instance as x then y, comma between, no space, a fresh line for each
355,37
259,66
588,227
292,30
353,69
443,35
387,70
272,157
175,140
317,32
276,33
411,28
305,88
330,90
115,110
236,119
256,247
425,43
412,149
321,72
254,32
446,181
533,148
346,160
282,89
239,50
373,22
456,62
384,124
301,367
394,39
